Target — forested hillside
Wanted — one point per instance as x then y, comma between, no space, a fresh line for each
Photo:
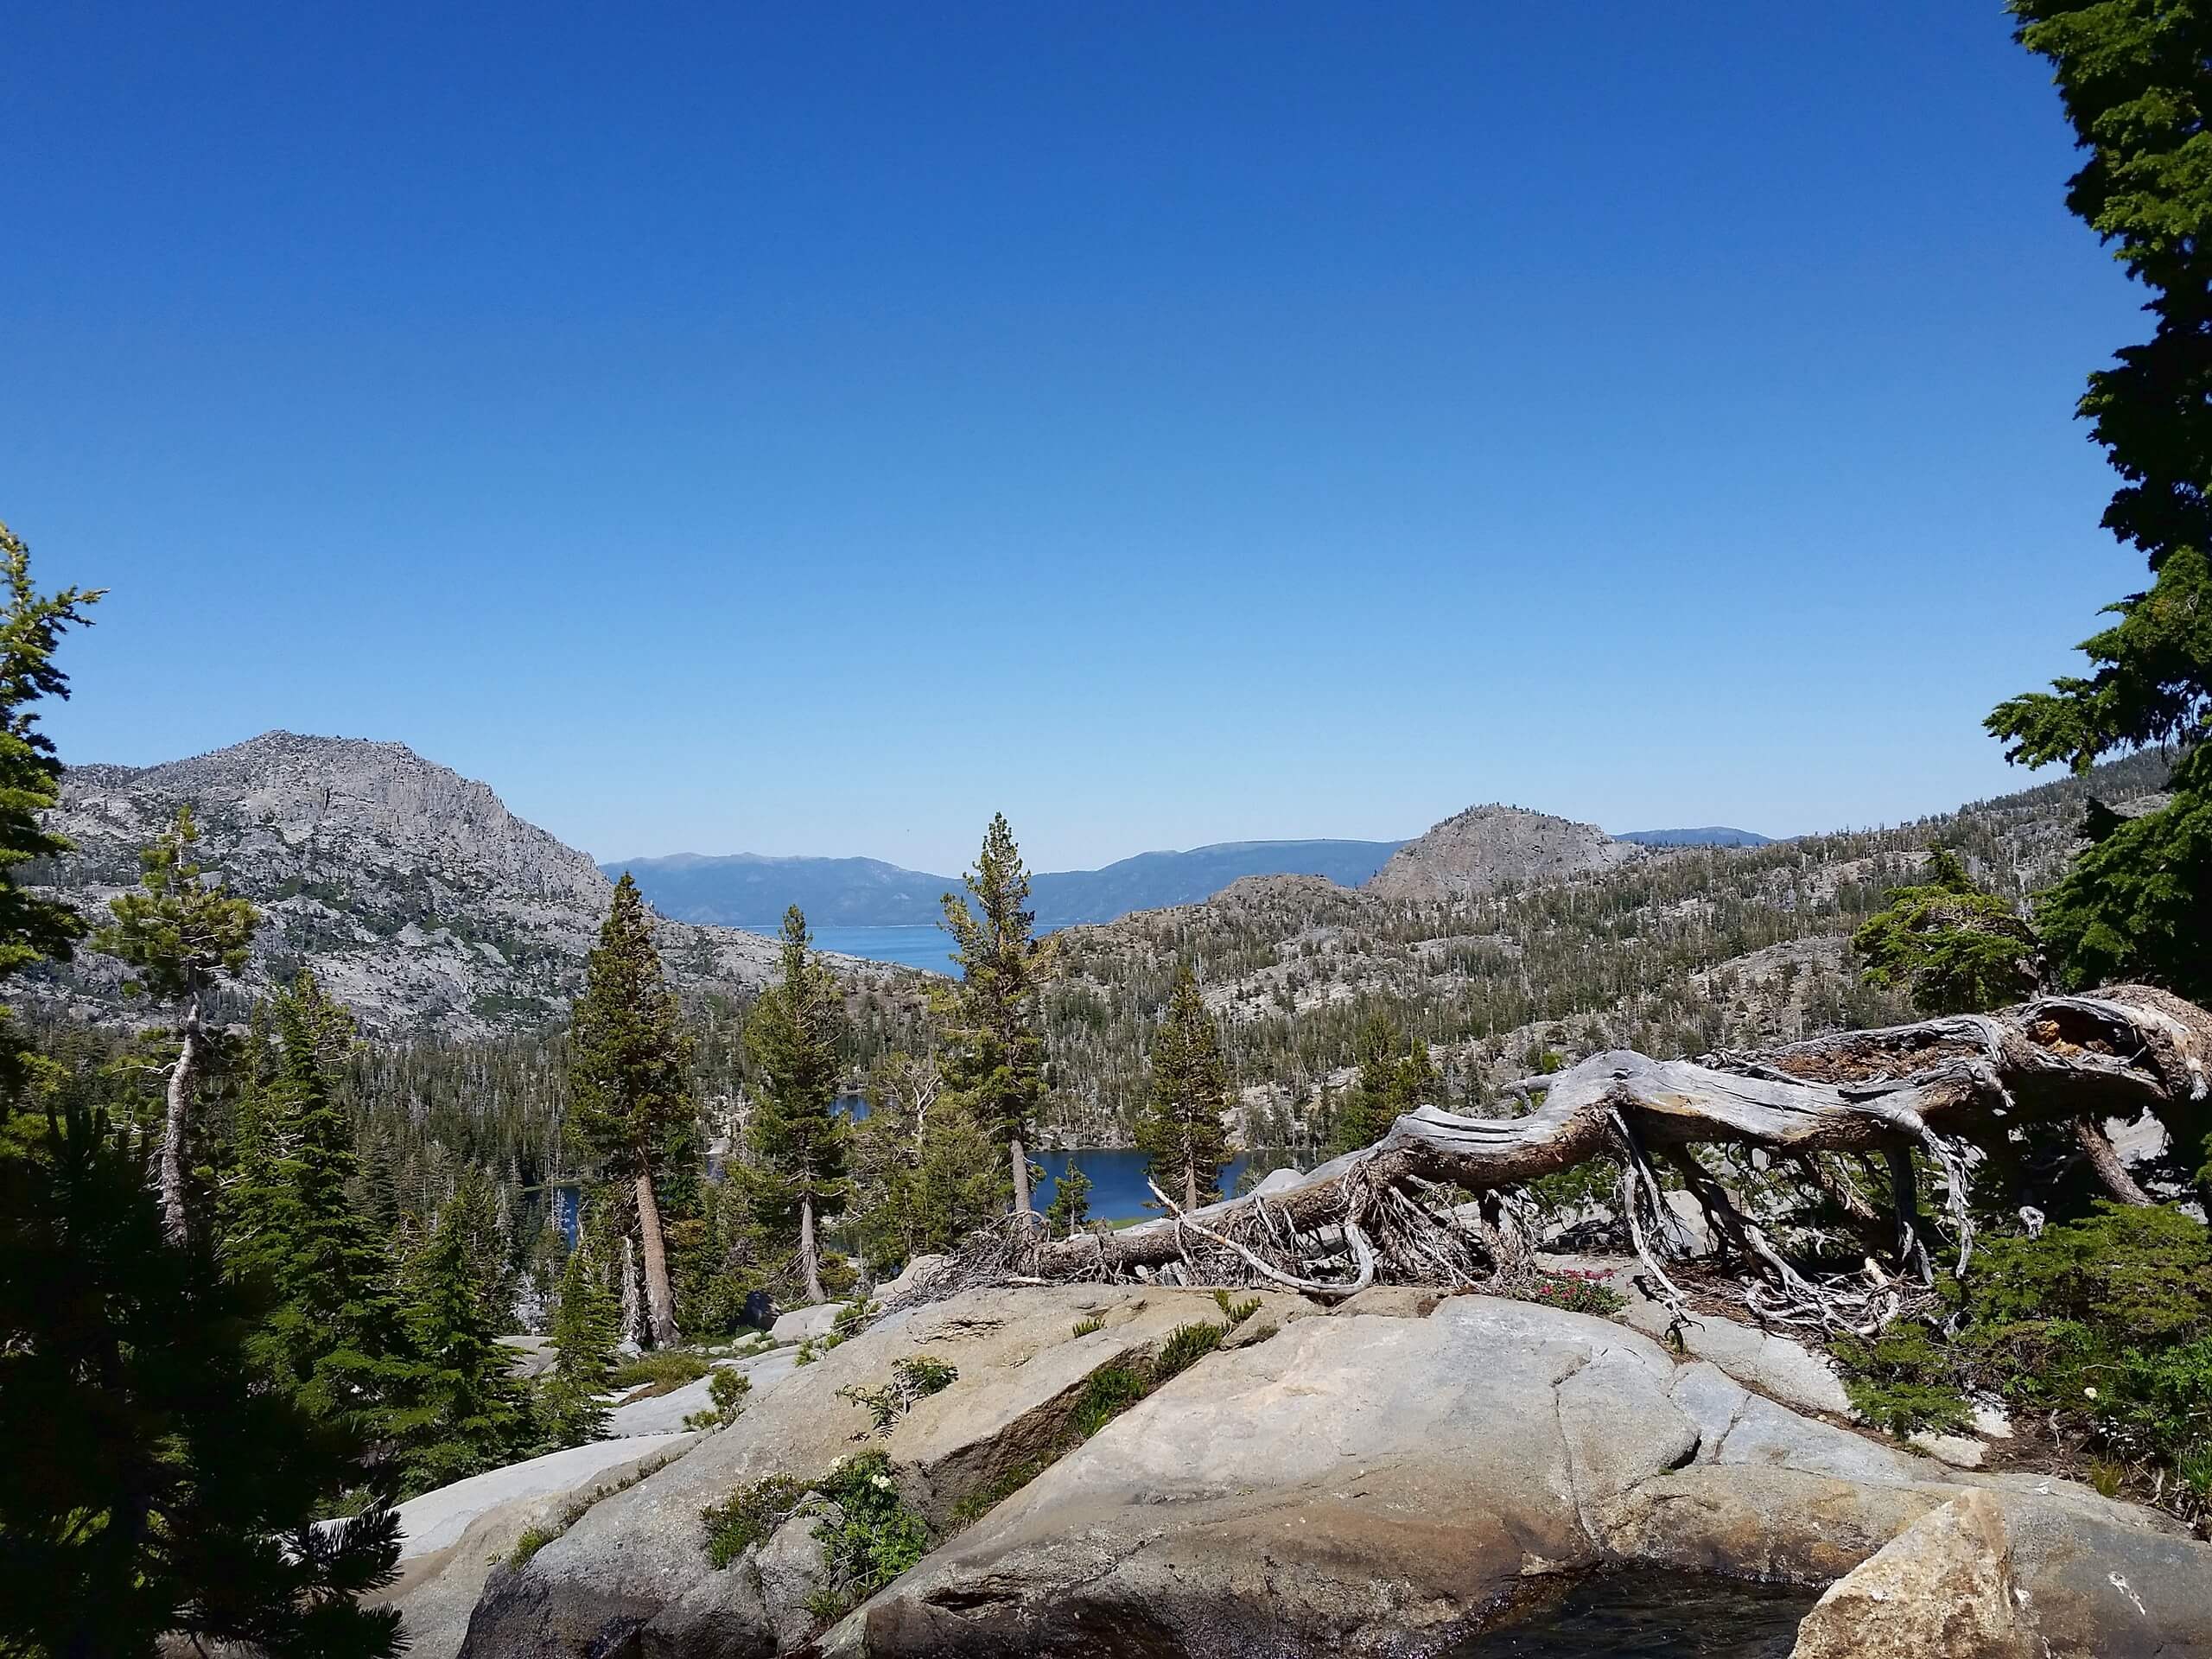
1680,950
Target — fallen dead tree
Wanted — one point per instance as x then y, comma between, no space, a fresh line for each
1443,1197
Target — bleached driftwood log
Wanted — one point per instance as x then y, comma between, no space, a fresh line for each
1949,1089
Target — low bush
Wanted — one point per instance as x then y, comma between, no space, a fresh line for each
1186,1346
734,1525
729,1391
663,1371
1084,1327
1235,1311
2101,1326
981,1502
1107,1393
876,1538
911,1379
1575,1291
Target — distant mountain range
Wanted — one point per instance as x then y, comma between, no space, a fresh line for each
748,890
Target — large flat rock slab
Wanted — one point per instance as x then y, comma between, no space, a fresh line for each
635,1567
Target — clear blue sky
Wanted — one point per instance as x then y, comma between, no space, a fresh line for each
811,428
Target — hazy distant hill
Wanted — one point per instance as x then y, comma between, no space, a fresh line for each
749,890
752,890
1711,836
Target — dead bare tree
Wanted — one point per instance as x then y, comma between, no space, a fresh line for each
1443,1199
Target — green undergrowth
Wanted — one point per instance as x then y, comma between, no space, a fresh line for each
2100,1328
912,1381
870,1539
663,1372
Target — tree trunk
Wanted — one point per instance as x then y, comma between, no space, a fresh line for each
660,1302
2128,1049
2111,1173
634,1319
176,1125
809,1257
1190,1182
1021,1175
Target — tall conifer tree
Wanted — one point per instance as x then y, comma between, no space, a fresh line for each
996,1060
798,1139
1181,1131
583,1349
182,933
468,1412
626,1077
336,1334
2135,77
153,1489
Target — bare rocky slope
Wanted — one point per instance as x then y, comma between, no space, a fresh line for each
412,891
1486,848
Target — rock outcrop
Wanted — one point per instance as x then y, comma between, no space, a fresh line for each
634,1569
1486,848
1381,1485
419,901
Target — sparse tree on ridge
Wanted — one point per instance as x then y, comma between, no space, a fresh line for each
181,933
1182,1130
798,1139
995,1063
1395,1075
626,1077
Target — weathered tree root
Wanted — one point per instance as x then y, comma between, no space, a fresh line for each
1947,1088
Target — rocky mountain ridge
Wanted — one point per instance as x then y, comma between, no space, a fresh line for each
412,891
1486,848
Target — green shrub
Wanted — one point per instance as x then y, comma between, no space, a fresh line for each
1186,1346
1235,1311
853,1318
664,1370
2103,1326
805,1355
1107,1393
734,1525
533,1539
728,1390
1084,1327
911,1379
877,1538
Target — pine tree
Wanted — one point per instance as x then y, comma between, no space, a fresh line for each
154,1489
34,926
583,1348
336,1335
468,1414
2135,80
1071,1205
182,933
1181,1131
626,1077
1395,1077
800,1141
928,1172
1952,947
996,1063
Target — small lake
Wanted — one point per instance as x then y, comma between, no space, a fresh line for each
1648,1614
1118,1191
1118,1175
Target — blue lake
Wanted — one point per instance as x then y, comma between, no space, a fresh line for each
928,947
